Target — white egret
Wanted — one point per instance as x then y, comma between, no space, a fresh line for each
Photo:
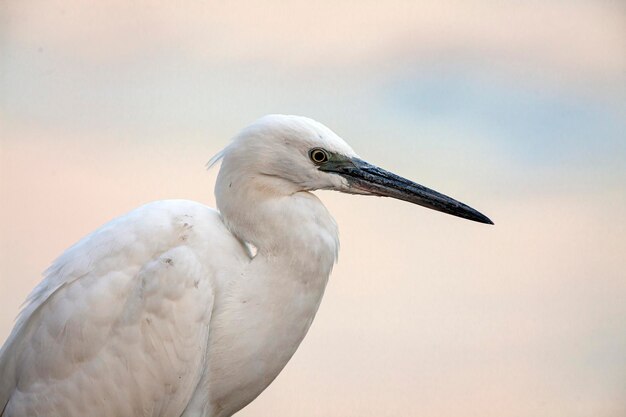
166,312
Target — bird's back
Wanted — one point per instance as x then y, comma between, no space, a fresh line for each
119,325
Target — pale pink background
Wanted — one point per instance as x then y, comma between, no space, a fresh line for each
516,108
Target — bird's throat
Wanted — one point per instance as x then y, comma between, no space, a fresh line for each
273,301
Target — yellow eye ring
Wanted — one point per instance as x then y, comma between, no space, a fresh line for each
318,155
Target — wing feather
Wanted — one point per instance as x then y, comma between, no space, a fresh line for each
120,324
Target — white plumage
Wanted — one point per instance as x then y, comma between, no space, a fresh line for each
165,311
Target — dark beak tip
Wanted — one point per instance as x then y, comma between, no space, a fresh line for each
481,218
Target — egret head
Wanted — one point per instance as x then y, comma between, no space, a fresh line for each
284,155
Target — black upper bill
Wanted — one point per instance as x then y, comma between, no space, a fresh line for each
371,179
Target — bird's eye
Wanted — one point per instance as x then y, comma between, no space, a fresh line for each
318,155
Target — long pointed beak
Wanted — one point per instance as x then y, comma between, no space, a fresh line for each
365,178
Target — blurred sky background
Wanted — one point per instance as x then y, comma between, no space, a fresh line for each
515,108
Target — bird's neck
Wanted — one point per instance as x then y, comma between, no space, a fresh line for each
296,227
275,297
